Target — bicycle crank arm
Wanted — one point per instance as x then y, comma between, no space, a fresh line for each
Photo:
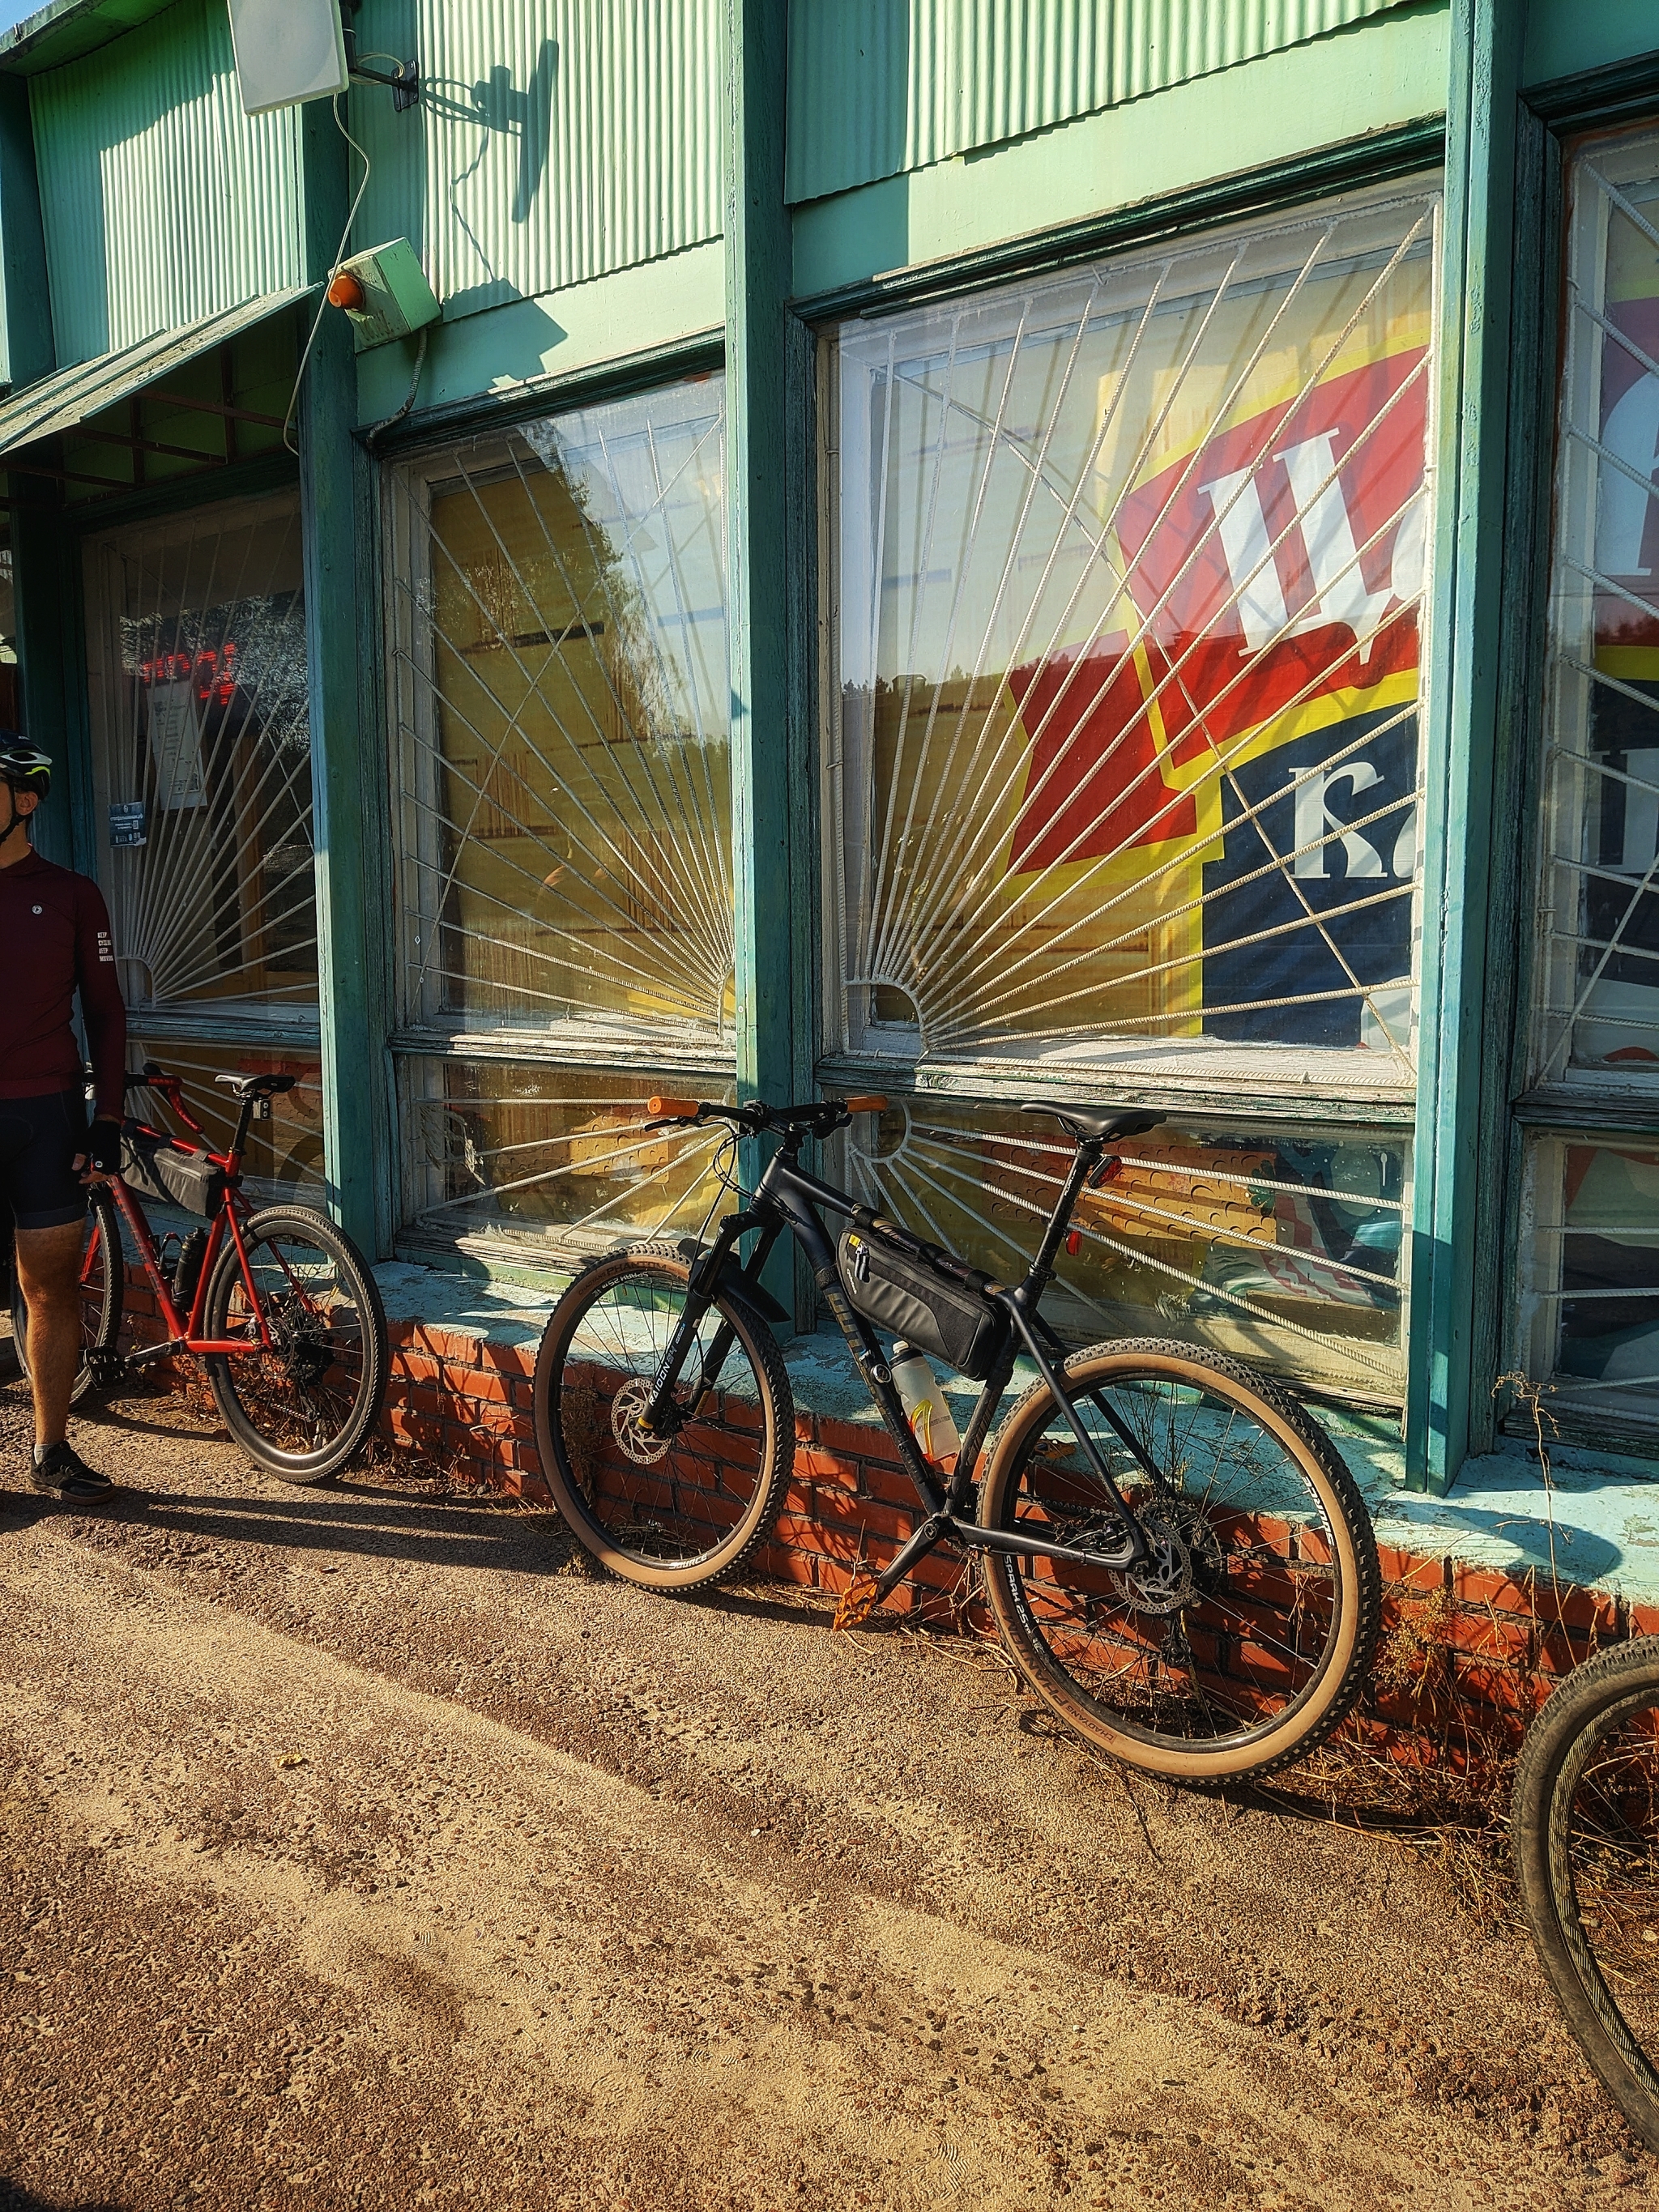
147,1353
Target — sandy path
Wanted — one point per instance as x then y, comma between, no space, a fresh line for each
360,1853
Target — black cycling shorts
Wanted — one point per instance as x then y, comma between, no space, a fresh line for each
39,1140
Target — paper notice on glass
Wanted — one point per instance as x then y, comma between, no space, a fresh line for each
175,746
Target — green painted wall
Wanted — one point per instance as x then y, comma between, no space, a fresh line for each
634,311
878,87
1383,73
163,203
1564,37
556,140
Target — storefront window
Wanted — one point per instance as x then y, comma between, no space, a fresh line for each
1123,781
559,1158
1590,1316
196,640
284,1156
563,762
1131,565
1590,1293
11,702
1286,1248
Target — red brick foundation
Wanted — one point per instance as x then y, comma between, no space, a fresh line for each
1466,1656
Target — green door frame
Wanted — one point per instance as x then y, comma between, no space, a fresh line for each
770,524
341,536
1462,664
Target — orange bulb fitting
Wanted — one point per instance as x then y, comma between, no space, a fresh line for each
346,290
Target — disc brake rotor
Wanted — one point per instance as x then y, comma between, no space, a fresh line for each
1186,1558
643,1446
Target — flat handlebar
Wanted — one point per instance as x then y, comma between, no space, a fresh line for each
818,1119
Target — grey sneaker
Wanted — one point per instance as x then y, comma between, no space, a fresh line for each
63,1471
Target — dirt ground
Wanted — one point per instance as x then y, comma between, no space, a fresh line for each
361,1851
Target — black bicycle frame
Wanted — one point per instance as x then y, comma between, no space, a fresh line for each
788,1197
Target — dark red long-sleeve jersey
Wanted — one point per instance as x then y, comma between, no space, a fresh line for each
54,940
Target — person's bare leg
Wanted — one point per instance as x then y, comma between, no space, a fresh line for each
49,1270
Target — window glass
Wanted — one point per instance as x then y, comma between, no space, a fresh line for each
540,1156
1284,1248
284,1155
562,728
11,695
1597,1024
1588,1333
196,652
1591,1310
1130,569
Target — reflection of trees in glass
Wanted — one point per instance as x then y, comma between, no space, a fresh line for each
573,856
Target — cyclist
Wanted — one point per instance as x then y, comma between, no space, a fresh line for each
54,928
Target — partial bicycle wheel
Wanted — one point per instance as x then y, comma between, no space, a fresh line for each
302,1405
1246,1637
1585,1829
690,1500
102,1282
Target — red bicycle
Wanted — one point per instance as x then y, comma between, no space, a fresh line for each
278,1305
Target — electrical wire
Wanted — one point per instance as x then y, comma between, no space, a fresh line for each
399,413
339,256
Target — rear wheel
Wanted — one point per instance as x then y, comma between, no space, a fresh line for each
1245,1640
686,1503
303,1404
1585,1829
102,1281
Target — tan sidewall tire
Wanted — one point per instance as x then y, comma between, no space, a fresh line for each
778,1433
1593,1701
1345,1663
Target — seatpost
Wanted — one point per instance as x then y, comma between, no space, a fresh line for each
243,1121
1084,1161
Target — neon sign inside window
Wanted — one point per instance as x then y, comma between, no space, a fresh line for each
214,674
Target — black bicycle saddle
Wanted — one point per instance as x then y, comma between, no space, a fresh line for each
1086,1123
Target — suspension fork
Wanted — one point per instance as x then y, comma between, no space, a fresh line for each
700,1297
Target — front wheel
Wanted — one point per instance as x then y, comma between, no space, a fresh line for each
303,1404
687,1499
102,1281
1245,1639
1585,1829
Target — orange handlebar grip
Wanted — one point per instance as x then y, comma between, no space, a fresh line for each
875,1103
673,1109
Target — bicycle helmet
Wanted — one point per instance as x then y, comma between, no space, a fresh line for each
24,766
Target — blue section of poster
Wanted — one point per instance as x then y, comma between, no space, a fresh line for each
1309,928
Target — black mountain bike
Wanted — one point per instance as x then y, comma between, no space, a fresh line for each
1177,1561
1585,1829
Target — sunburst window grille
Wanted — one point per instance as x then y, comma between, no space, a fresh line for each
197,679
284,1156
1286,1248
1131,568
1590,1315
564,822
1598,1019
562,1160
562,730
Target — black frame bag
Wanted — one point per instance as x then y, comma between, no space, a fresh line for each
157,1167
906,1296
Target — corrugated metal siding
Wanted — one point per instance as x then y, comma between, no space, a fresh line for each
163,203
564,138
880,87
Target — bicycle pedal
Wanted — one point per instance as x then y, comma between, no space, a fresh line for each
857,1601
